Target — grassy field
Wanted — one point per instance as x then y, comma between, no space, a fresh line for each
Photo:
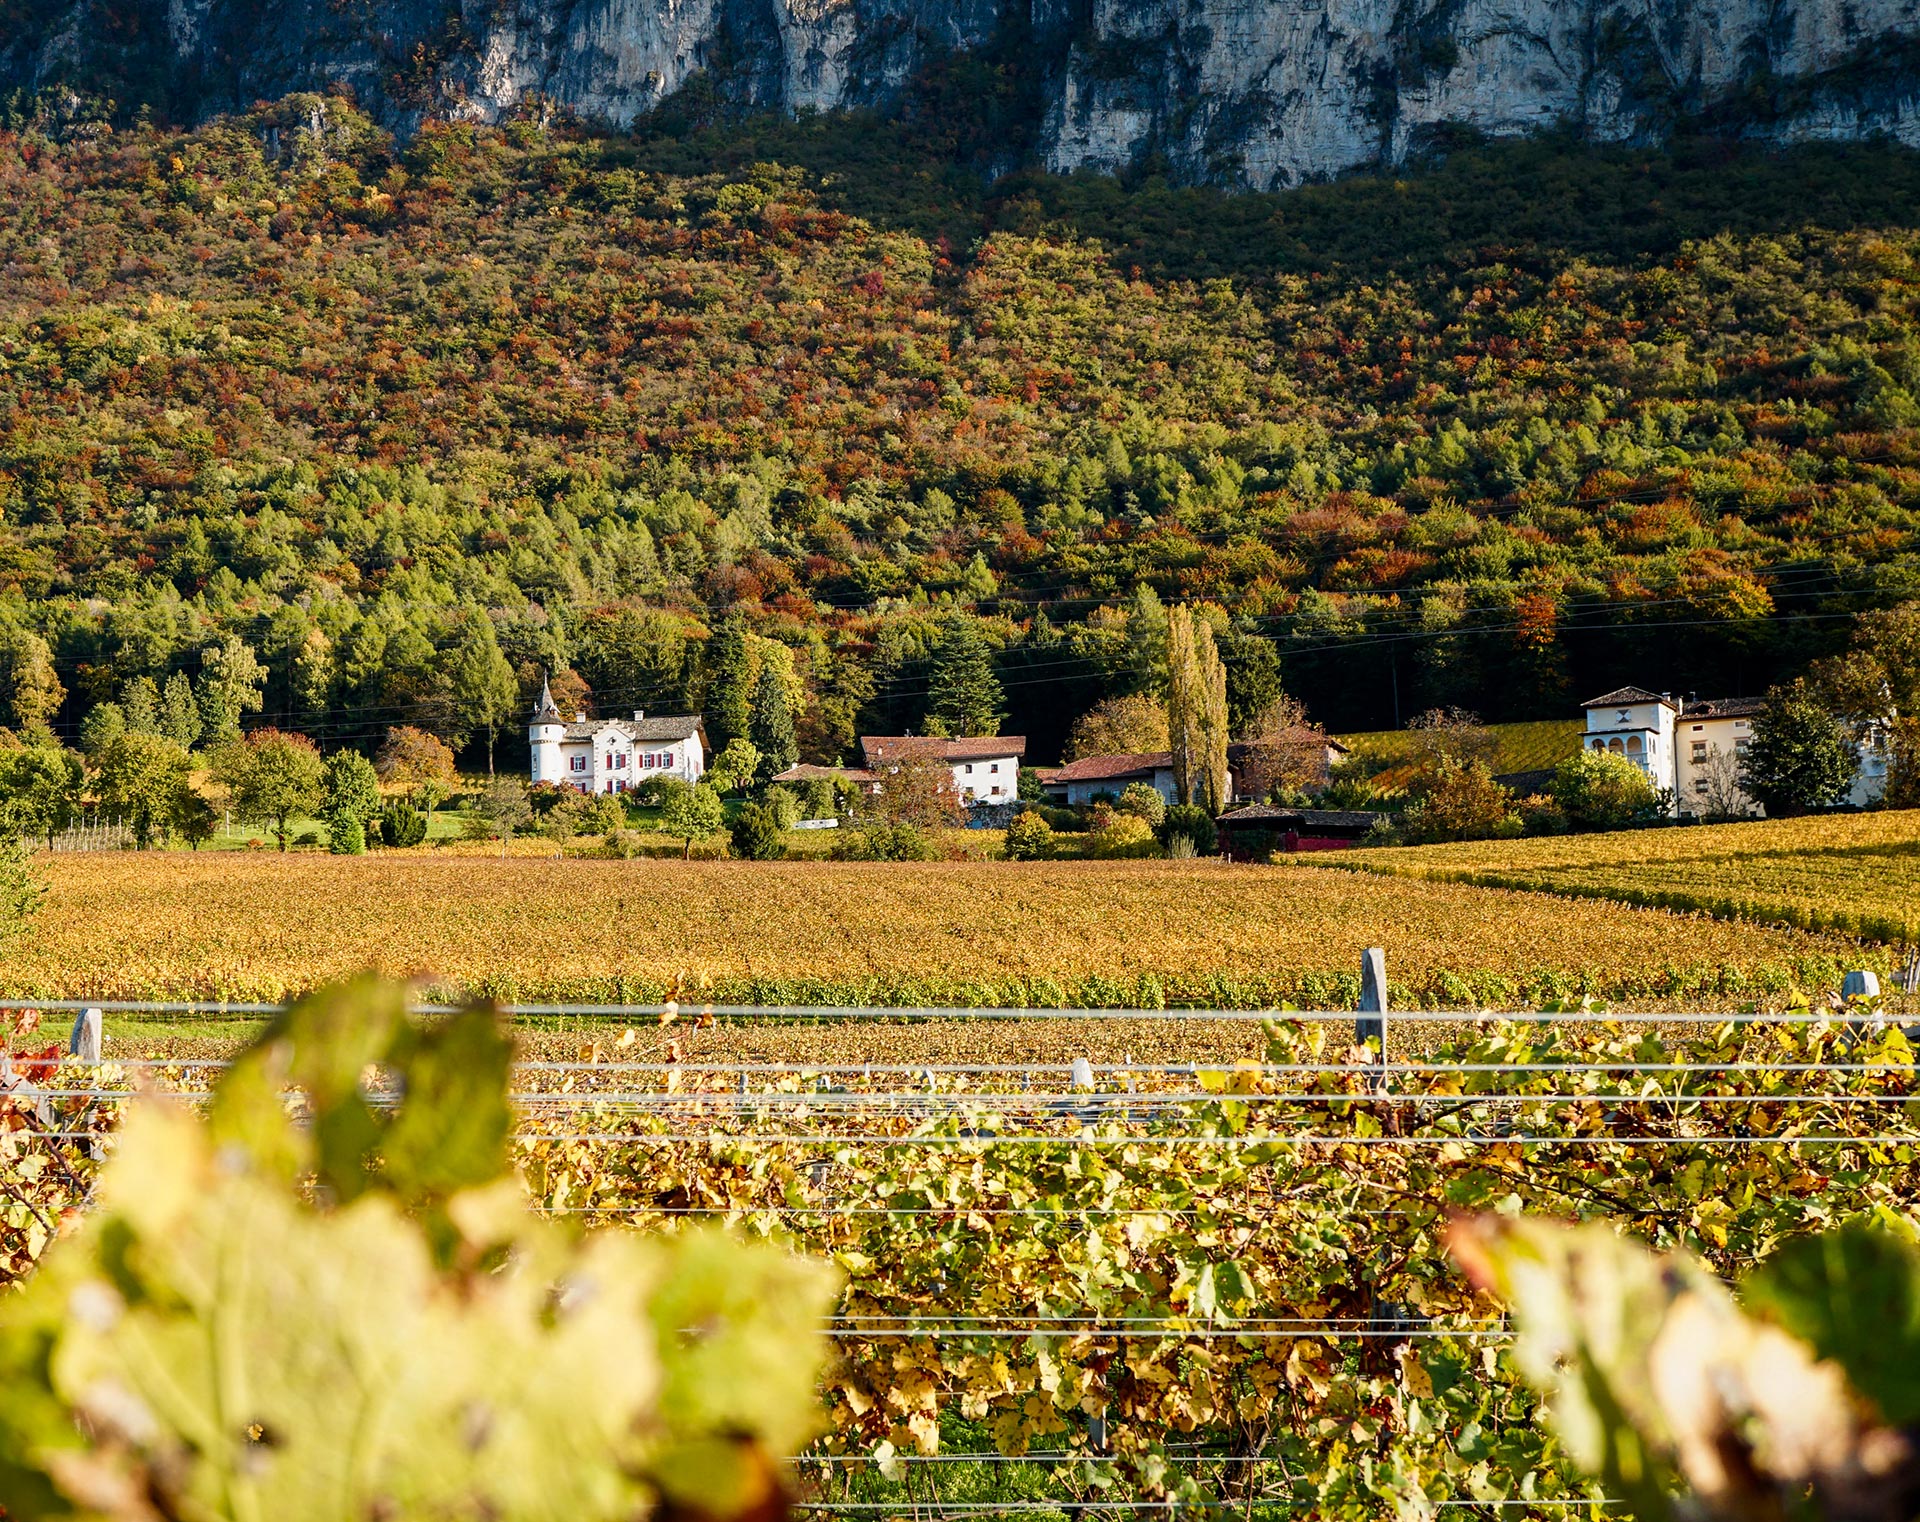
259,926
1854,873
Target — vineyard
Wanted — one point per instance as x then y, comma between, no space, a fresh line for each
144,926
1151,1284
1857,874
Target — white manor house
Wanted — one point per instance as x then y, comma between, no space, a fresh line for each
613,755
1681,745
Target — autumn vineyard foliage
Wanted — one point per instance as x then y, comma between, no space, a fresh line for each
1218,1283
1069,934
1486,436
1855,874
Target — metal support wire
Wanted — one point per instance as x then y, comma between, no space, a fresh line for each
918,1014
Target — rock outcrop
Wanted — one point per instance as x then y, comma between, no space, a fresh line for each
1249,92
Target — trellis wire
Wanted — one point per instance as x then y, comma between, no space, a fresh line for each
847,1014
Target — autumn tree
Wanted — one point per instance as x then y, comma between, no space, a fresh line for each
1129,725
418,764
30,689
1282,749
915,786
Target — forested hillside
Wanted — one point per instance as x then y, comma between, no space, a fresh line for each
376,410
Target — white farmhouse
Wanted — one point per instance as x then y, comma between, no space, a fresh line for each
986,768
1695,748
613,755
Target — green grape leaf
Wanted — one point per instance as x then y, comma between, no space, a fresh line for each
1853,1295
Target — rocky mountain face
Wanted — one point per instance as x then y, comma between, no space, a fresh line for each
1262,93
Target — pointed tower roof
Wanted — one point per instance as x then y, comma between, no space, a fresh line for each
546,713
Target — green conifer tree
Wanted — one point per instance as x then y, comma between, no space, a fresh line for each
772,724
729,709
963,694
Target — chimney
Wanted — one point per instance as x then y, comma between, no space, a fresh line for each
639,714
579,718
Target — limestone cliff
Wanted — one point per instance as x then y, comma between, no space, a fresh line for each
1252,92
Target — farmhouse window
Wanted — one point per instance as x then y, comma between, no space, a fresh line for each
1740,745
969,768
1699,751
579,763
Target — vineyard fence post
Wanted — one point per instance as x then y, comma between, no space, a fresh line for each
84,1043
1373,999
1860,995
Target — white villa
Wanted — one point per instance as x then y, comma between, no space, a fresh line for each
1691,747
613,755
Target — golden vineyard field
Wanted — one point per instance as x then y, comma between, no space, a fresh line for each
1072,934
1854,873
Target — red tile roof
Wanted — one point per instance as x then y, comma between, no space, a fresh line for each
1110,768
881,748
806,771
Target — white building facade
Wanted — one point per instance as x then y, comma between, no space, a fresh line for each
1695,748
613,755
986,768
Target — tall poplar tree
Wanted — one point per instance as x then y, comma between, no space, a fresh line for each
963,694
1197,710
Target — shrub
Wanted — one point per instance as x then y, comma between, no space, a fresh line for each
1192,821
1458,800
602,814
1143,800
623,845
1029,837
1541,815
307,838
1597,790
1124,835
1070,820
820,798
1181,848
346,836
884,842
402,825
783,805
756,834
